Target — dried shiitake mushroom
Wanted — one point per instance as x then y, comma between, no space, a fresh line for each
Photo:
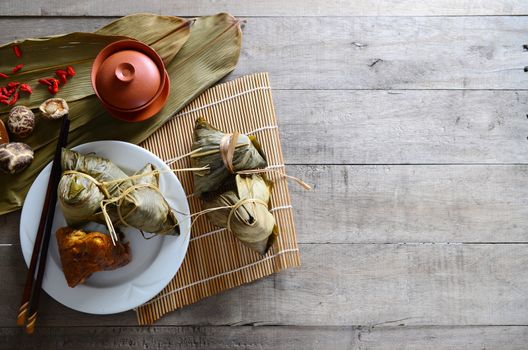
54,108
21,121
15,157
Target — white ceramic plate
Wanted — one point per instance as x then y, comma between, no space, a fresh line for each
154,262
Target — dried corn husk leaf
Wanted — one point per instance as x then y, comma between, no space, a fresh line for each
210,53
43,56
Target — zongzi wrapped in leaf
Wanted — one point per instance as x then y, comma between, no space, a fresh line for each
145,208
99,168
248,216
80,199
210,146
79,195
88,180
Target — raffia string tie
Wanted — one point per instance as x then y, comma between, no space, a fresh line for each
227,147
99,184
233,208
175,159
103,186
268,170
119,200
227,150
239,204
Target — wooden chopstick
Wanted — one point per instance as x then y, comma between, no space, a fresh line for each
22,311
31,295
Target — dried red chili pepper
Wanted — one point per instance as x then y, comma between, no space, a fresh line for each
60,72
12,84
18,67
53,90
62,78
3,91
71,71
13,99
44,82
26,88
17,51
2,97
3,76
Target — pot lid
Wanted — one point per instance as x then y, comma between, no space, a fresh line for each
128,79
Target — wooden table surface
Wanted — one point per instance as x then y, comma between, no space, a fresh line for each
410,119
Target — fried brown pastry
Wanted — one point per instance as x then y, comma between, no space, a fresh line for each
83,253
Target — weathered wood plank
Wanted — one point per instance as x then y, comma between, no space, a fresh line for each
388,53
361,52
160,338
393,127
267,8
438,338
400,204
9,229
262,338
341,285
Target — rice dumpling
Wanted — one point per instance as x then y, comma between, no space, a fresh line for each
145,208
248,216
80,199
99,168
88,180
210,145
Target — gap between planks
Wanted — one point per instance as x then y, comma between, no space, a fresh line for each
113,17
274,8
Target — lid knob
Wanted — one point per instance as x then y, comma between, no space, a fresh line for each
125,72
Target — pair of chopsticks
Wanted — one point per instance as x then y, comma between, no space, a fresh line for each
27,316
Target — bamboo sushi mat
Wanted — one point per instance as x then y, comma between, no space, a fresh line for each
215,260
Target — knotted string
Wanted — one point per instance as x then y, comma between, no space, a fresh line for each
241,203
103,186
233,208
269,170
227,150
227,146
